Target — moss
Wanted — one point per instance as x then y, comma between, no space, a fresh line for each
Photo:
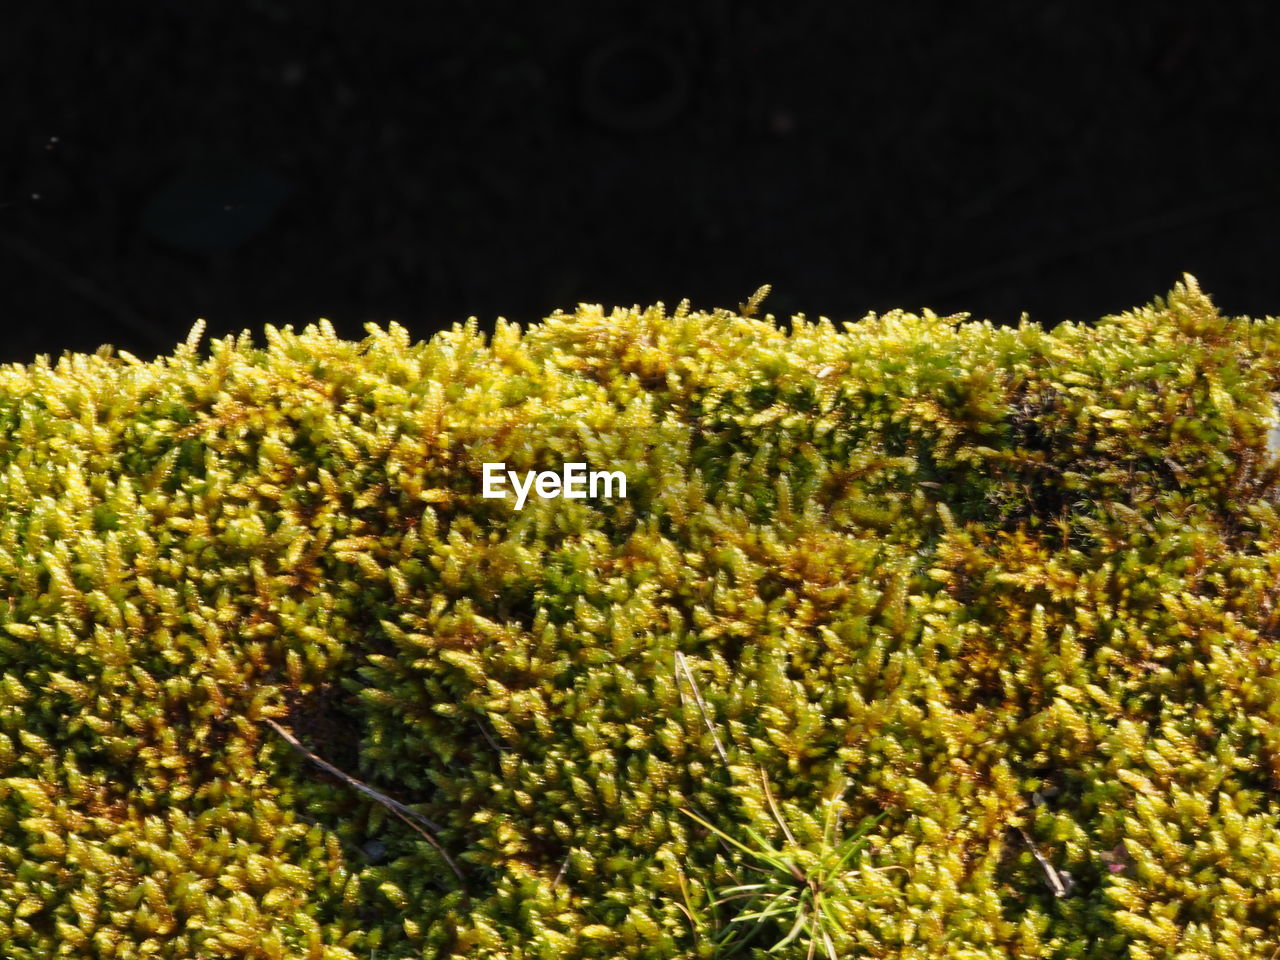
1014,588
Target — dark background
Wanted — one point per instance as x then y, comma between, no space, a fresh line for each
274,162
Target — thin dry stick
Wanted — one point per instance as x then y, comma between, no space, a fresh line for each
681,664
1055,881
399,809
563,867
488,736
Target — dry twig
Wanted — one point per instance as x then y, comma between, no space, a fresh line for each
1057,884
395,806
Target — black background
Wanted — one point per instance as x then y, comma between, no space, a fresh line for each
275,162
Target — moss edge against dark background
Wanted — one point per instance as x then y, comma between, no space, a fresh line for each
262,161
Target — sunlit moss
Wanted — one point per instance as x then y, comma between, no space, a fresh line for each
1016,587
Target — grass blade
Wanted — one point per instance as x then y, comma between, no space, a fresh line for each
720,833
773,806
682,664
794,932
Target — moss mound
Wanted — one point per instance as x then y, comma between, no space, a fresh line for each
1002,600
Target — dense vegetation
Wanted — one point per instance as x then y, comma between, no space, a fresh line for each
989,613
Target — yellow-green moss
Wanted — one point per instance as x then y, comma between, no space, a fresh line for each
1018,587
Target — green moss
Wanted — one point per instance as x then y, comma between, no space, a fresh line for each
1015,588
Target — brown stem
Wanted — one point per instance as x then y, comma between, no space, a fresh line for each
399,809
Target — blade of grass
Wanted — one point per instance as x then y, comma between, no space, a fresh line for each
749,896
828,828
767,852
731,931
720,833
826,937
748,886
774,907
773,806
794,932
682,664
856,842
715,908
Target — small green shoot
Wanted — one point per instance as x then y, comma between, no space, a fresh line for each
790,892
